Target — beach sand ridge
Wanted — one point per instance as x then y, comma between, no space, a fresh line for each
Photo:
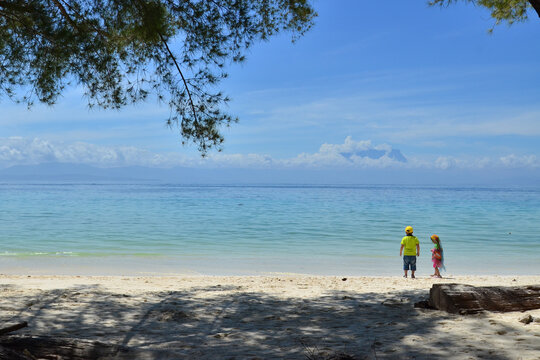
268,317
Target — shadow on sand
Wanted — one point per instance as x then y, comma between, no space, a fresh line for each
222,322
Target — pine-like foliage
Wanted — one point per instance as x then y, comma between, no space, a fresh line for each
123,51
509,11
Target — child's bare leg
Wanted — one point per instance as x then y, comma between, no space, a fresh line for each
412,274
405,273
437,273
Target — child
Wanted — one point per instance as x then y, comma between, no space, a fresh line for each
412,250
437,256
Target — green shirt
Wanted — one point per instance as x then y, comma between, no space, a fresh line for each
409,243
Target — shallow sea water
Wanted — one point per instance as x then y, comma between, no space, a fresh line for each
329,230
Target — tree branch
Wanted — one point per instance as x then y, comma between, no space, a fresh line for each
77,15
182,75
22,23
65,13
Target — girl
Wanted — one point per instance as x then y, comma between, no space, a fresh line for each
437,256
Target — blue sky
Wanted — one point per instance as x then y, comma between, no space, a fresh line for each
429,82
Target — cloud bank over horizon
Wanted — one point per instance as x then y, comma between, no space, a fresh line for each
349,155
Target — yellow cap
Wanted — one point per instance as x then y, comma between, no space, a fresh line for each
409,230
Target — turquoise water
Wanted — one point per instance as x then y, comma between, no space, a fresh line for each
355,230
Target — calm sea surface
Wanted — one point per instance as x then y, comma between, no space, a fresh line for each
332,230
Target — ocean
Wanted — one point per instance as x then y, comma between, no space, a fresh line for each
161,229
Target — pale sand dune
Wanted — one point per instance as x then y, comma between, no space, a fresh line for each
279,316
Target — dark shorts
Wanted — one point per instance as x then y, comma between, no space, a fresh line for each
409,261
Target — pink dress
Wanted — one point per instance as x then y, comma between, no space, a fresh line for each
437,263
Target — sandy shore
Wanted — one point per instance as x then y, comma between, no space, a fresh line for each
270,317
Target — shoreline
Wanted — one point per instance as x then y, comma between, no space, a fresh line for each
267,317
253,266
361,284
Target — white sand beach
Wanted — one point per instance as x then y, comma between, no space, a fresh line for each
268,317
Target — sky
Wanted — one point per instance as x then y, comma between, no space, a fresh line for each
394,84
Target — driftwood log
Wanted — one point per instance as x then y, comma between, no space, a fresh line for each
45,347
10,328
467,299
6,353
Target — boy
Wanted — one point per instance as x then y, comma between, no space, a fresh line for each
409,242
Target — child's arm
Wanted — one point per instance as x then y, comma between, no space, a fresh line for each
417,249
401,249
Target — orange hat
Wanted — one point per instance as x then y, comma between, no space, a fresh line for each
435,237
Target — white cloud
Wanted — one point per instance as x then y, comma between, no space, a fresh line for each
445,162
23,151
514,161
349,154
450,162
239,160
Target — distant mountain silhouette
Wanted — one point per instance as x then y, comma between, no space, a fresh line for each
67,172
72,172
375,154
